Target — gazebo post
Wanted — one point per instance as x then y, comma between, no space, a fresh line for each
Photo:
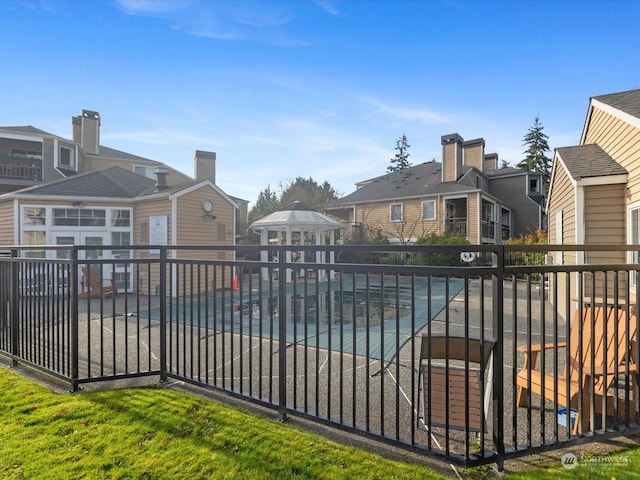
264,253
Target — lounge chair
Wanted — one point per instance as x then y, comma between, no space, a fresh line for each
92,284
585,373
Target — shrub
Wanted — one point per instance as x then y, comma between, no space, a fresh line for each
438,258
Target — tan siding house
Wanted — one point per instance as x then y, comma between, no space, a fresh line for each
594,195
31,157
115,208
454,196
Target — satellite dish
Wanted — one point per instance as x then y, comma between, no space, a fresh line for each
467,257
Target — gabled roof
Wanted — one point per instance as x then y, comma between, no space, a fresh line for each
114,182
509,172
119,154
418,180
586,161
628,102
27,129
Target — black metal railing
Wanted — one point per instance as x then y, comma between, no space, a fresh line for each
352,345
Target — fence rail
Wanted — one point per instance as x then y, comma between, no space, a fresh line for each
510,337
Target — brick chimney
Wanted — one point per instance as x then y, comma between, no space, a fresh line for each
204,166
451,157
86,131
474,153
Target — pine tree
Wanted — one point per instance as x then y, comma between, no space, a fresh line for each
401,160
266,203
537,147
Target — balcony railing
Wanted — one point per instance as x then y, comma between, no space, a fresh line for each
457,226
20,168
488,229
506,232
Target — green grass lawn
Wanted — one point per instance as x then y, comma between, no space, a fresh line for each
159,433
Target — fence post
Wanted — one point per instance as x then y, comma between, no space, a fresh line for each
163,314
15,302
282,337
73,347
498,262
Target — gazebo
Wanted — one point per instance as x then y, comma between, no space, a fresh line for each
296,224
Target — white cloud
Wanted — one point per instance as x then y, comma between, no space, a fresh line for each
406,114
152,7
328,7
262,22
162,137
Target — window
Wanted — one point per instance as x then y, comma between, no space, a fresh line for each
534,185
634,239
64,241
78,217
65,158
120,218
34,216
145,171
19,152
487,212
34,238
478,182
395,212
121,239
429,210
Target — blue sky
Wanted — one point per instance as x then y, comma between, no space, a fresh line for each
280,89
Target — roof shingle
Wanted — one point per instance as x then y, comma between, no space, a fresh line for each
628,102
586,161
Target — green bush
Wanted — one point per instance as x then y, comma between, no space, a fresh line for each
438,258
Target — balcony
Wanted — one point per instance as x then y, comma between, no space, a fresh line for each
488,229
20,168
456,226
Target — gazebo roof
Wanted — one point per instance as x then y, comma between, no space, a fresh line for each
296,216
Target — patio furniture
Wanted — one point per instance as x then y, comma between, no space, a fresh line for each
92,284
455,391
593,363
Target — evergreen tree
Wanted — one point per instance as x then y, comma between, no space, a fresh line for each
309,192
537,147
401,159
266,203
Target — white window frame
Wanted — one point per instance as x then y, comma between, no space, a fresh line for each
391,209
634,256
72,158
433,203
538,188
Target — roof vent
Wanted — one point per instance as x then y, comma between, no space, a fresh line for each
161,178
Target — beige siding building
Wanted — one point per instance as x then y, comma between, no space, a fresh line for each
30,157
594,194
465,195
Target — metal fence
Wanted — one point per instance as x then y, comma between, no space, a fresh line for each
475,353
